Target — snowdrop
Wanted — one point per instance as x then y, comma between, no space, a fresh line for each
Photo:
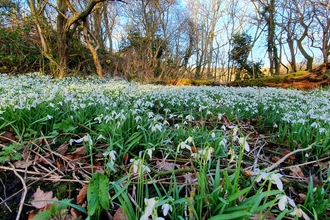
283,201
299,213
149,152
137,165
242,141
166,208
275,178
185,145
150,209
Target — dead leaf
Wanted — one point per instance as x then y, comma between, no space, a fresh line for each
275,159
23,164
292,190
126,157
7,137
75,214
43,160
78,153
296,171
60,165
25,153
163,165
270,216
39,196
301,198
120,215
82,195
195,149
62,148
291,157
32,214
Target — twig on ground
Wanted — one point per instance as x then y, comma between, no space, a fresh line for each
23,194
258,155
4,193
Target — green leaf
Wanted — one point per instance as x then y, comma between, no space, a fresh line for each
97,193
65,125
103,191
4,159
234,215
44,215
92,198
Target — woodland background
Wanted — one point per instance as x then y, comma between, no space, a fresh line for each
163,39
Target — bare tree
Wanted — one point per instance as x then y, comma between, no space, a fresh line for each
266,10
320,36
69,17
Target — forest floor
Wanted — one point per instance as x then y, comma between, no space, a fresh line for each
50,166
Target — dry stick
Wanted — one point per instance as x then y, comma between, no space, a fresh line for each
3,201
286,156
4,193
48,147
24,192
48,162
306,163
257,156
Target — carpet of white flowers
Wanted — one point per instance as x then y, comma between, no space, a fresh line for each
167,122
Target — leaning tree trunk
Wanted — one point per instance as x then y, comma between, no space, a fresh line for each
92,49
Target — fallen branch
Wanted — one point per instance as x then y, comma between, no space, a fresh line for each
23,194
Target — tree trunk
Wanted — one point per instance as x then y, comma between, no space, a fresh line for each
92,49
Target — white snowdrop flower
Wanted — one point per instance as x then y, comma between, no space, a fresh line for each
223,127
138,164
190,118
235,130
76,141
242,141
149,152
100,137
183,145
138,118
99,118
166,110
166,208
220,116
299,213
176,126
155,127
315,125
322,130
150,114
283,201
52,105
223,142
87,138
189,140
171,116
212,135
275,178
150,205
49,117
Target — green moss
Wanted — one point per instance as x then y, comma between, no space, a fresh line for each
269,79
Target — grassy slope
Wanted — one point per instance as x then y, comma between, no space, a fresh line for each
269,79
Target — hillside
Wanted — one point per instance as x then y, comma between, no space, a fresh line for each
318,77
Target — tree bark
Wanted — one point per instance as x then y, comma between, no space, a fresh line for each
92,49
